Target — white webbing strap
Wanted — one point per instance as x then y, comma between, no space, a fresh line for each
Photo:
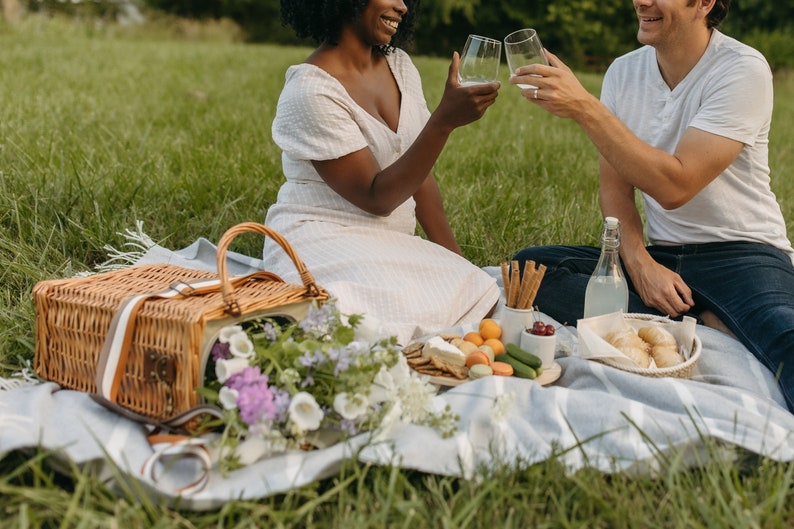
113,358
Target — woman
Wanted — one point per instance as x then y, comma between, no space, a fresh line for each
358,148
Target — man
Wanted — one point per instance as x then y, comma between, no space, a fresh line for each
684,120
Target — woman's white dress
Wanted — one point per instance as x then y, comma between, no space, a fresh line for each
373,265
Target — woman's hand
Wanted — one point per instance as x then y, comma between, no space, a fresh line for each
461,105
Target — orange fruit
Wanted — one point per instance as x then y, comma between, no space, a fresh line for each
474,337
490,329
496,345
477,357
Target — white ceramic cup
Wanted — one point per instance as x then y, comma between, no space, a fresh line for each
543,347
513,321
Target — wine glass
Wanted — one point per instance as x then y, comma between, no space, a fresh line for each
479,61
523,47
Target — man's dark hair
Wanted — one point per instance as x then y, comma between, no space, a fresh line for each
322,20
718,13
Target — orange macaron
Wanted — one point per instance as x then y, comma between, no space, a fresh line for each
477,357
502,368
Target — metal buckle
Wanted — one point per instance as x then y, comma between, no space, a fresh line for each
185,289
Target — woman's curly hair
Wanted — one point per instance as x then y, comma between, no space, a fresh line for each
322,20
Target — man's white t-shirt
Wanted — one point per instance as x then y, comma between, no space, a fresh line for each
728,93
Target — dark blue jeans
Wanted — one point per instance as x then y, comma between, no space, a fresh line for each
749,286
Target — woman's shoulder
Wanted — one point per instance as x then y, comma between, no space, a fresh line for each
307,82
400,59
307,75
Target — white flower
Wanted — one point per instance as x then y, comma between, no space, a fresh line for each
252,450
241,346
228,398
226,368
369,330
289,377
391,418
416,398
350,407
386,384
229,331
304,412
502,406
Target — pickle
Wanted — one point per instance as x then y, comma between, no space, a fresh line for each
520,369
523,356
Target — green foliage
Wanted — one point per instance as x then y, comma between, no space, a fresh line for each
592,32
747,16
585,33
777,46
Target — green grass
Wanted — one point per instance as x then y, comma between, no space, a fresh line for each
98,132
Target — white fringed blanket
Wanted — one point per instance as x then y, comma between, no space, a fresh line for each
594,416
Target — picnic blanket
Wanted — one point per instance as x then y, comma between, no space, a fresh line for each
594,416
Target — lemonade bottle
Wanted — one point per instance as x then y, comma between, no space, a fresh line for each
607,290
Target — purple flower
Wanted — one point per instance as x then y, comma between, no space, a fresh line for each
249,375
343,361
309,359
269,330
220,351
349,427
281,399
319,321
255,403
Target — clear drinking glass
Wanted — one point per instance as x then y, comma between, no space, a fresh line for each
479,62
523,47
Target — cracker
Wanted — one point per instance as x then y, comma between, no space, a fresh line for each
413,350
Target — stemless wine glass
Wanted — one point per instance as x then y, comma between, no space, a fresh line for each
523,47
479,62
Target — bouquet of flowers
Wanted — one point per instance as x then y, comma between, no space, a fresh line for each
300,385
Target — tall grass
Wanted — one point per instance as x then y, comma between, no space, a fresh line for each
97,133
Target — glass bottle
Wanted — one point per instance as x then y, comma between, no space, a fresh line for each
607,290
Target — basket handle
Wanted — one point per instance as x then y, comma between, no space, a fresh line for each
227,289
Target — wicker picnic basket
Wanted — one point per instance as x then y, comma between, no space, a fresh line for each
140,337
682,370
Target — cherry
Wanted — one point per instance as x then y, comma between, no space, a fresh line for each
539,328
550,330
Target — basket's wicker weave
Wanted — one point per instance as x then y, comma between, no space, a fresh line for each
171,338
682,370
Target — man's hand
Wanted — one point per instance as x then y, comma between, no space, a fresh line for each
662,289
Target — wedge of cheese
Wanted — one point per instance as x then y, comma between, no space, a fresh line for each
437,346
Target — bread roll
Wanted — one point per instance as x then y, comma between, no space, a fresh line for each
664,348
656,336
630,344
666,356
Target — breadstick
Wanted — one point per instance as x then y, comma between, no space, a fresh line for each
526,284
536,284
514,283
505,279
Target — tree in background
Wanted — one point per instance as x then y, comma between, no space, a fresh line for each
584,33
